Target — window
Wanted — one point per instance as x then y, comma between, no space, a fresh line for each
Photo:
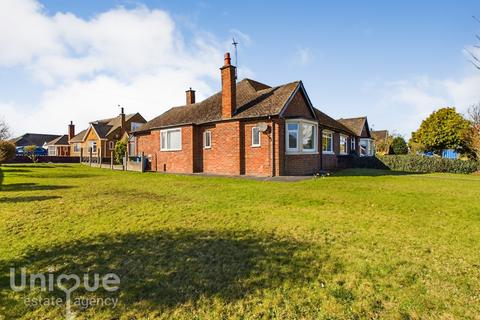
93,146
52,151
327,142
111,145
132,142
352,144
207,139
135,125
301,136
308,139
292,136
256,139
76,147
343,144
367,148
171,140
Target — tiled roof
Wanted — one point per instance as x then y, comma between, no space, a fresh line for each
34,139
80,136
330,123
60,141
379,135
254,99
354,124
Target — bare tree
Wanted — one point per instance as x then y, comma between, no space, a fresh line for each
474,58
473,135
4,130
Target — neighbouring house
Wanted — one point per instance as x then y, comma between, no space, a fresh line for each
248,128
382,141
360,128
35,139
100,137
59,147
40,141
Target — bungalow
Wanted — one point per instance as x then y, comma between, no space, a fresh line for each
248,128
101,135
360,127
58,146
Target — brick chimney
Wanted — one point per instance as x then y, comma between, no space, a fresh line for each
71,131
122,124
190,96
229,93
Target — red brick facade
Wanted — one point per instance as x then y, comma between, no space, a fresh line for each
232,153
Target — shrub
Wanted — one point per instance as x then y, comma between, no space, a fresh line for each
399,146
29,152
417,164
7,151
120,149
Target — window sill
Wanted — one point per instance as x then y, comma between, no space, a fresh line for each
171,150
293,153
207,148
328,153
256,146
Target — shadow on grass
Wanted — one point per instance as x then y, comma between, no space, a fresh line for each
13,187
35,166
161,270
26,199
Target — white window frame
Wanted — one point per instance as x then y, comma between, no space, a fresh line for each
166,132
91,144
345,140
299,149
76,147
259,134
370,147
111,145
209,134
330,133
52,151
352,144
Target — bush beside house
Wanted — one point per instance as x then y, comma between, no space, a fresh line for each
417,164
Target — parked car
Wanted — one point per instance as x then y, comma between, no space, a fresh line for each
39,151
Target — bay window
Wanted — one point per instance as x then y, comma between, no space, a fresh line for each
367,148
301,136
327,142
171,139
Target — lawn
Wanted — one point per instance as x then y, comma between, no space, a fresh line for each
358,244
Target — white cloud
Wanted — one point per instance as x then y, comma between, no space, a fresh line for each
303,56
138,58
404,104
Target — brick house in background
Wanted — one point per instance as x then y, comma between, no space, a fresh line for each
101,135
360,127
249,128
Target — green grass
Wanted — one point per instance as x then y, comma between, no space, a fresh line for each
358,244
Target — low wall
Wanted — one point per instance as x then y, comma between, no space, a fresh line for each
45,159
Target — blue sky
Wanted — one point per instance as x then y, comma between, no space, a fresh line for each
394,62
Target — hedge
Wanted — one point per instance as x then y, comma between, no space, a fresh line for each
416,163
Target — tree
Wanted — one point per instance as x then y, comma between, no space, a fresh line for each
399,145
4,130
29,152
120,149
473,134
475,58
443,129
7,151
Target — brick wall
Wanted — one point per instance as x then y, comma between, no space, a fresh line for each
258,160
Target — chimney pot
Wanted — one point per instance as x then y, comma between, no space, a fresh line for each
227,60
